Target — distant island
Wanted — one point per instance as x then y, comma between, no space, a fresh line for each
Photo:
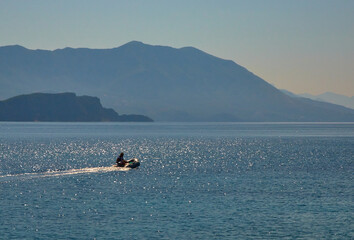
61,107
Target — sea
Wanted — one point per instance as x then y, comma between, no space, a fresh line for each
195,181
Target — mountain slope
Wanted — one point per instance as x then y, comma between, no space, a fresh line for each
165,83
332,98
327,97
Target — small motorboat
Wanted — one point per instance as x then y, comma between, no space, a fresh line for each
131,163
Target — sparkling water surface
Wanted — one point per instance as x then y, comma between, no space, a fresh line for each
196,181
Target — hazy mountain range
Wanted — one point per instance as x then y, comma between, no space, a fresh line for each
328,97
164,83
332,98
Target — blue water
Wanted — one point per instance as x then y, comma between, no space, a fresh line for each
196,181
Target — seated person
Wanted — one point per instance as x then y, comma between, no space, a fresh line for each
120,160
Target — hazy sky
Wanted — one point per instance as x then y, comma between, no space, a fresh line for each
298,45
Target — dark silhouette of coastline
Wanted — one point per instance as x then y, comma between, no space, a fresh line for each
62,107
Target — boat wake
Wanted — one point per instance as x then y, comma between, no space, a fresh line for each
50,173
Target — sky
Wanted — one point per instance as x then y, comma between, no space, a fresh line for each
304,46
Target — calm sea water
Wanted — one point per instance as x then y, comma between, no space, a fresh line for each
196,181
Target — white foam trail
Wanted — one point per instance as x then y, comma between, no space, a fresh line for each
61,173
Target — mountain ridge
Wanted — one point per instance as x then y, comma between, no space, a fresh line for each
168,84
329,97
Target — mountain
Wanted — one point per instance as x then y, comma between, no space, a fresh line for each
64,107
165,83
332,98
328,97
289,93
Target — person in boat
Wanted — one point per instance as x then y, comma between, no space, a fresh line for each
120,160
